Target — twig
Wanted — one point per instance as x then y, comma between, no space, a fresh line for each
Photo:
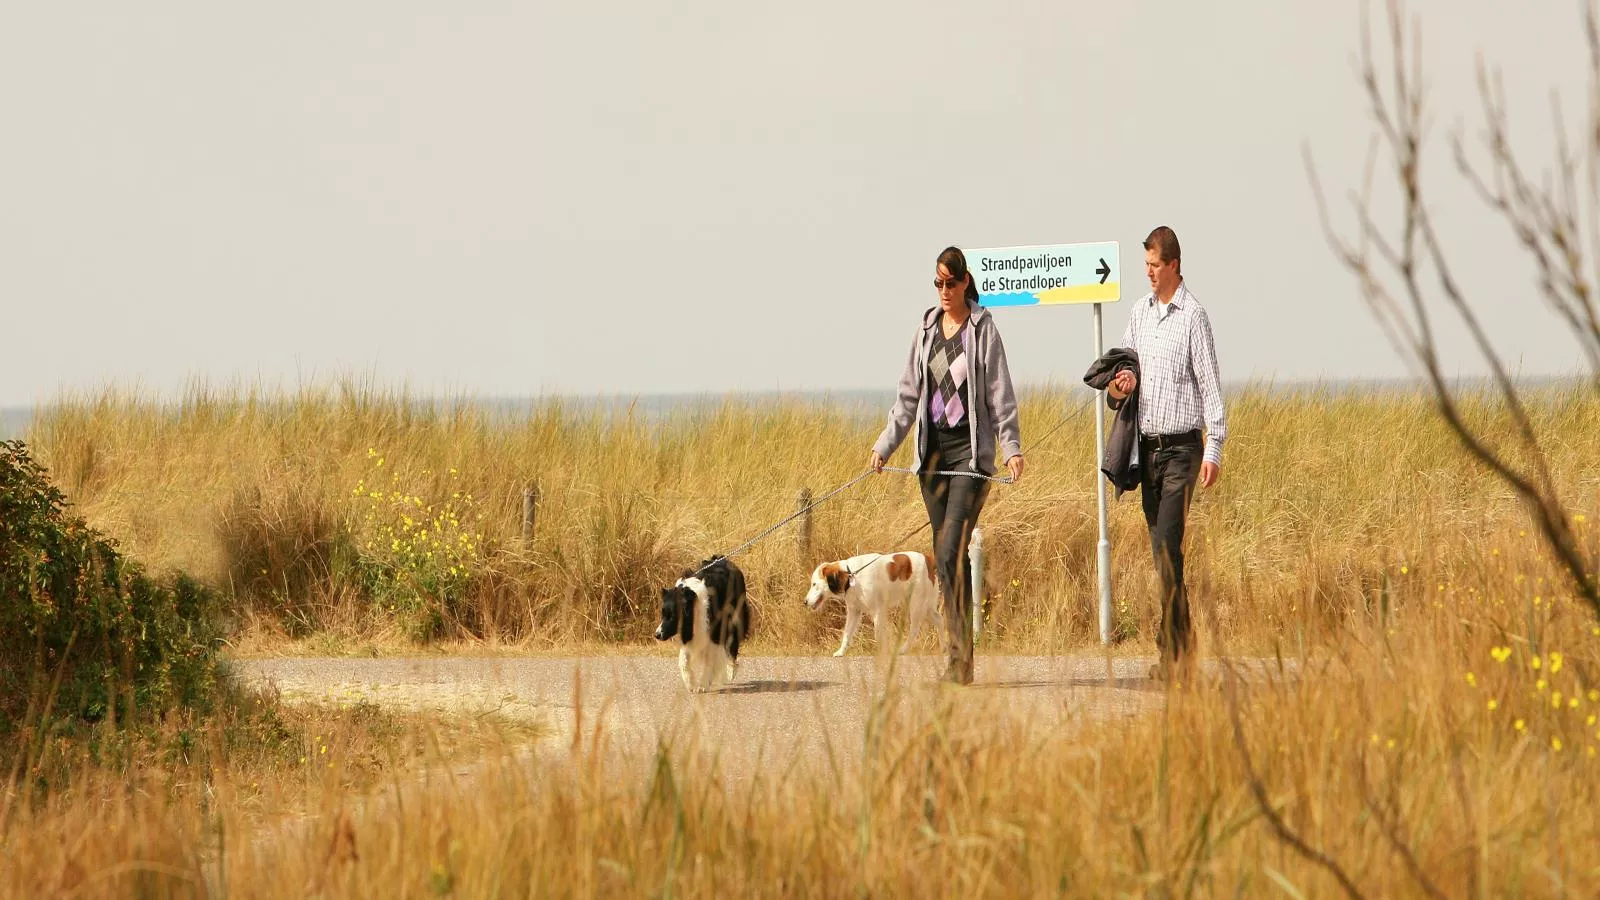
1259,791
1387,816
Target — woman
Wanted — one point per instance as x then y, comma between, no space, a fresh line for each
957,390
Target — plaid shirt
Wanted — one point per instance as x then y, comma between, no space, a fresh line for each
1180,387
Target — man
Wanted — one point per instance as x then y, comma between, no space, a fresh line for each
1180,393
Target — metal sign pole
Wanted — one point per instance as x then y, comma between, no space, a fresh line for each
1058,275
1103,549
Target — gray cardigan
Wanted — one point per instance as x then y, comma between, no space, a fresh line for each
992,410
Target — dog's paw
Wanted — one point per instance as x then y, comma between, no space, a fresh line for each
838,653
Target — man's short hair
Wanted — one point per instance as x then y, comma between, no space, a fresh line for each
1165,242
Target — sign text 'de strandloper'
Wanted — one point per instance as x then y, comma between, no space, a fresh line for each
1046,275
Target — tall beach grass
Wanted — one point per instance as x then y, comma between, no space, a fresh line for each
299,506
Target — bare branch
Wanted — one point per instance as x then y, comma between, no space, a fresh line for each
1387,814
1468,815
1544,220
1259,791
1591,25
1545,224
1396,329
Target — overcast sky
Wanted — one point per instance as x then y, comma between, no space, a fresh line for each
634,197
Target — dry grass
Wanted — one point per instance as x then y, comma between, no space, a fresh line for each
1437,729
261,771
1324,496
1381,750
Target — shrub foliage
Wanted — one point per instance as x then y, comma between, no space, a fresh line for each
84,631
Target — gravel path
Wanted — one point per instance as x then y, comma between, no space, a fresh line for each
787,708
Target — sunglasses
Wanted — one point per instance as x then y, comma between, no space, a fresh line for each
941,284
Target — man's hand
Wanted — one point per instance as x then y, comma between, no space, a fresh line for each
1014,466
1122,385
876,463
1208,474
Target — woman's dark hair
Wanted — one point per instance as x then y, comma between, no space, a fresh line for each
955,262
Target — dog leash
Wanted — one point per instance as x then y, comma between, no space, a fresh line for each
784,521
1002,479
829,496
898,541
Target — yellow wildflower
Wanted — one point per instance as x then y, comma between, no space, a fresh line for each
1555,744
1493,704
1518,725
1537,663
1540,685
1555,663
1472,680
1500,654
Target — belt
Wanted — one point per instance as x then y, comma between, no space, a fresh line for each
1189,438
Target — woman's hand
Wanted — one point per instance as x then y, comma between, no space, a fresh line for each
1014,466
876,462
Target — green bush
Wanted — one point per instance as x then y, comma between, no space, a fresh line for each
418,550
85,632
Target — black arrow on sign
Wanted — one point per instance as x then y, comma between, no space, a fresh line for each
1104,271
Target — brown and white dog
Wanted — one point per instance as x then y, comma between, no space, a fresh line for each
877,584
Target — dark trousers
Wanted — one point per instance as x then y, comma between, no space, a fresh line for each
953,504
1166,485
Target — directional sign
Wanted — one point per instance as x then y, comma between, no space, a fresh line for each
1046,275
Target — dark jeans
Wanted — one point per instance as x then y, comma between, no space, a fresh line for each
953,503
1166,485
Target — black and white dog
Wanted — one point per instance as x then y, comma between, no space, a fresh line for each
709,611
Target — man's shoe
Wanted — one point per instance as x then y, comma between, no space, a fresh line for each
957,672
1182,670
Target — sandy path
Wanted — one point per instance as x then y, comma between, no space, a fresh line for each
780,708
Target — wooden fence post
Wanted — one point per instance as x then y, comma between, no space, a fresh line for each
802,505
530,503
